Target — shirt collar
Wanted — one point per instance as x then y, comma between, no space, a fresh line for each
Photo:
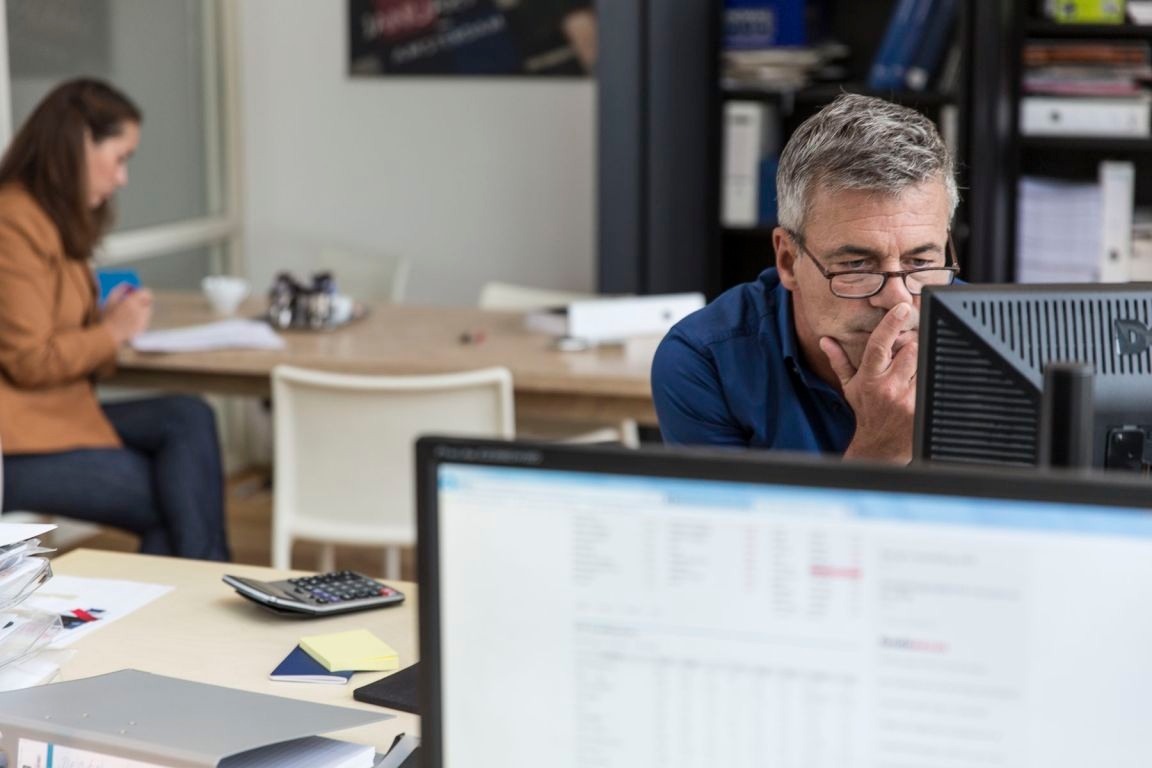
789,344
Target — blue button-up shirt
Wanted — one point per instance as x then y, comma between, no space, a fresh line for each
732,374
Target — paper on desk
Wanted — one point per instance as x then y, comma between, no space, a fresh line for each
358,650
74,598
224,334
10,533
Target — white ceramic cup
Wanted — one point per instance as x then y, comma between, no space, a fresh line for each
342,308
225,292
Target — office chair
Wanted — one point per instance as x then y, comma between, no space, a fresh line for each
522,298
344,451
367,276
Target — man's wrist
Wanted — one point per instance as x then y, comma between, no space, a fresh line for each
890,451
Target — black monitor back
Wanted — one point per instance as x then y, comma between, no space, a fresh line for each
983,350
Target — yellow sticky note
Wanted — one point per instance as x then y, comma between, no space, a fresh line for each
358,650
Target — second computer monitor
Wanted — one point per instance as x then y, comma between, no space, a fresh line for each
983,352
636,609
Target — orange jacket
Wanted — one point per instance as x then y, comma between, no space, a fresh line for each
52,343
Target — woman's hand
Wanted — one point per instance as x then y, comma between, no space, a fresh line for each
127,312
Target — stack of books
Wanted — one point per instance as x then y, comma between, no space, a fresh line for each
25,634
780,68
766,47
1087,88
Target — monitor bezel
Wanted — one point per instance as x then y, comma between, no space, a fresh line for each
759,467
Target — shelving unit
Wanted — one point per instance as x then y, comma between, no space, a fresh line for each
660,163
1066,157
743,252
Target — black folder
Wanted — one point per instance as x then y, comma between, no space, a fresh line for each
397,691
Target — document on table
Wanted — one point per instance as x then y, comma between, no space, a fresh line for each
224,334
86,604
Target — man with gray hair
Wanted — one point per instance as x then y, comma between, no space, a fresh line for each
819,353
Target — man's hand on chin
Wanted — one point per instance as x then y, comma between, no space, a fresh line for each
882,390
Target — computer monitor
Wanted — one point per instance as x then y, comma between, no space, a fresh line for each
583,606
983,352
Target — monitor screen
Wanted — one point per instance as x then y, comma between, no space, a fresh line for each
983,352
584,607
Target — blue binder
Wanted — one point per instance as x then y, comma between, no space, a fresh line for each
892,58
934,42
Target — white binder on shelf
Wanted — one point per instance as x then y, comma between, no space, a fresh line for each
751,132
1140,270
1117,198
1115,117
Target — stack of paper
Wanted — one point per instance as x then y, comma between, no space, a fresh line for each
358,650
24,633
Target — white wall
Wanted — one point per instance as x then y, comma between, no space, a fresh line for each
472,179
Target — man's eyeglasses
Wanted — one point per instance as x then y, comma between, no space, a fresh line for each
861,284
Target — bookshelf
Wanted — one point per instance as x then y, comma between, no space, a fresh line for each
1069,157
660,164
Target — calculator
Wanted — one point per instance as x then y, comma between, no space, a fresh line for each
324,594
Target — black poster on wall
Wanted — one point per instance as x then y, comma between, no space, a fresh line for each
471,37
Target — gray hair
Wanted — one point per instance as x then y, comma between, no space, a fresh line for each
860,142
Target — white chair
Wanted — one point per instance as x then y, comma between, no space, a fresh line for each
344,451
523,298
367,276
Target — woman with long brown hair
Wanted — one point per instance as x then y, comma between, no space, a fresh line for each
148,466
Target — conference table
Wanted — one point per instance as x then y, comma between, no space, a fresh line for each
203,631
601,385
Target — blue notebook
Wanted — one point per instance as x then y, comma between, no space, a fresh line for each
299,667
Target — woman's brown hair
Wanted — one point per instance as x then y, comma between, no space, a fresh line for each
47,157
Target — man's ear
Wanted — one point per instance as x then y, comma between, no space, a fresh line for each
785,257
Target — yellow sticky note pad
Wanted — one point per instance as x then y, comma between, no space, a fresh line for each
358,650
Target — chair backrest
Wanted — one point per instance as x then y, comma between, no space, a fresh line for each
496,295
344,447
367,276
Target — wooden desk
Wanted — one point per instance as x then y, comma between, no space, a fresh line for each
595,386
203,631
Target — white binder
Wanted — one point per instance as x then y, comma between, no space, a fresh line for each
750,133
1118,117
1117,197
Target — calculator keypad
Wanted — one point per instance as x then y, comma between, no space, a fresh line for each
339,587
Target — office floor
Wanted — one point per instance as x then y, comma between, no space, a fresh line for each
249,504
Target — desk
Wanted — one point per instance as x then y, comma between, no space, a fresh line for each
595,386
203,631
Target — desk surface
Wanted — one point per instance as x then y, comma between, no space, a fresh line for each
204,631
599,385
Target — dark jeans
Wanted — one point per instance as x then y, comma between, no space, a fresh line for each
166,484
